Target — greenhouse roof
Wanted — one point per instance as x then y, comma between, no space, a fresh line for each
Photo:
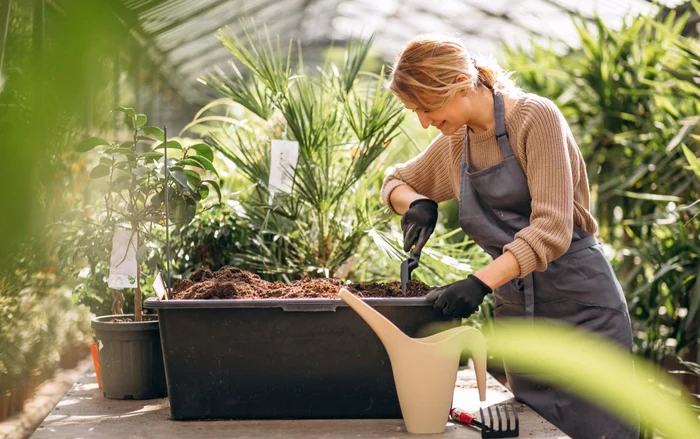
182,33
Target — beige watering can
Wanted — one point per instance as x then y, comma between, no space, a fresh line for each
425,369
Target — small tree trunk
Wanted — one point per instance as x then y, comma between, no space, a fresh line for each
137,297
137,293
117,302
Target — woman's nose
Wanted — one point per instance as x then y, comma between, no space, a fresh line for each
424,120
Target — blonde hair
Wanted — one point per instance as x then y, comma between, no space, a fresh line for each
425,69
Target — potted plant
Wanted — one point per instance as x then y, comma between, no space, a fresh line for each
285,357
10,341
132,180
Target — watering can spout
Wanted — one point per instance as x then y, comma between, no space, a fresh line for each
425,369
387,332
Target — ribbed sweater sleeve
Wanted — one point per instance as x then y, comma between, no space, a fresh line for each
549,177
428,174
548,155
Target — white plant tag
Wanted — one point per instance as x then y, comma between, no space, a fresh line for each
159,287
284,156
84,273
122,264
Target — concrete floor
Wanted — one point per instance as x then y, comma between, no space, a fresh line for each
47,395
84,413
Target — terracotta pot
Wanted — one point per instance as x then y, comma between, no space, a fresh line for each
16,400
69,359
4,405
94,349
33,382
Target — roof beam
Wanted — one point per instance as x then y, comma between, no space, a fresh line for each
217,57
209,31
239,34
157,58
198,13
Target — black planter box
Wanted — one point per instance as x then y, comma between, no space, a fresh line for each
281,359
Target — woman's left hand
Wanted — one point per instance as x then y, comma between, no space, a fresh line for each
461,298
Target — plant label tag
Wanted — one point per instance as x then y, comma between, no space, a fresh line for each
122,264
84,273
283,162
159,287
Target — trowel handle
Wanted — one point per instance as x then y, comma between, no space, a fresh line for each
411,255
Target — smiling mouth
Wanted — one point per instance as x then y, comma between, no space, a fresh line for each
441,125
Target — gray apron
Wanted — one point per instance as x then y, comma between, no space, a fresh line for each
579,288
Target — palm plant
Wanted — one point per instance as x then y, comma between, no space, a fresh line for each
631,98
342,118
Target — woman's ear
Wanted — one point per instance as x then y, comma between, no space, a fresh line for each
462,78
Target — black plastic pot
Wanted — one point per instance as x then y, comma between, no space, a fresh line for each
281,359
131,360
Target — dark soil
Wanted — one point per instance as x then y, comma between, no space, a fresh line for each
234,283
146,318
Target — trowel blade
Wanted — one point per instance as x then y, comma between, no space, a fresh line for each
405,275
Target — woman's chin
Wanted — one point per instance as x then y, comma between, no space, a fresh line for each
447,131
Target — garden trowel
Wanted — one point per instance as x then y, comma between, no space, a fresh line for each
407,267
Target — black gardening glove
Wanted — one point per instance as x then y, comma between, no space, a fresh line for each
459,299
418,224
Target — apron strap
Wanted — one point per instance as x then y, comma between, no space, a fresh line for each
499,111
529,292
588,241
464,146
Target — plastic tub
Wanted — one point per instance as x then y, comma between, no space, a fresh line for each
281,359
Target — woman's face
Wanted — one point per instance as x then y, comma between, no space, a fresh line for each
448,119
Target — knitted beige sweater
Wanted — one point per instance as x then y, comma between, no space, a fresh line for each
548,154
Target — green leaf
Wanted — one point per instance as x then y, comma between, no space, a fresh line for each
90,143
172,144
155,132
140,120
204,163
123,151
193,178
128,111
216,187
694,162
151,155
180,176
157,199
694,305
190,162
141,253
107,161
99,171
650,197
203,192
204,150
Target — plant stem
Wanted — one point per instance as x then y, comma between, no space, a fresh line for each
137,292
135,227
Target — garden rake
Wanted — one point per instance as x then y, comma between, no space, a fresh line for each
488,429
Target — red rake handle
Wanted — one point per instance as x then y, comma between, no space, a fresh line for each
463,417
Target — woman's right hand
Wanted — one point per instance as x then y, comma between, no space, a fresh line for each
418,224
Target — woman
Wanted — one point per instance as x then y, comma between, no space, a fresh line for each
511,160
